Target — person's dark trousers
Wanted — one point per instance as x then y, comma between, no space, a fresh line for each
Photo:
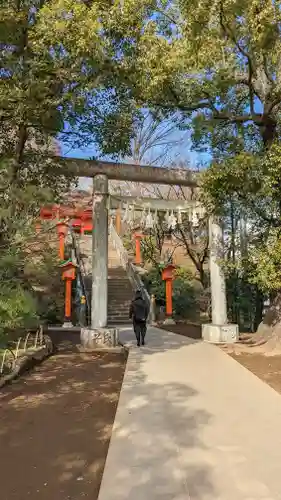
143,331
140,331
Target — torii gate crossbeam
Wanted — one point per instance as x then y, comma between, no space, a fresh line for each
123,171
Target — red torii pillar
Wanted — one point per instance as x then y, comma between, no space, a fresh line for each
168,276
138,237
68,275
62,232
118,220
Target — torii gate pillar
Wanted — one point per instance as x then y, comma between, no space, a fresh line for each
219,330
100,252
98,335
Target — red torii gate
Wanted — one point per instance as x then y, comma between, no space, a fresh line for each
80,219
81,222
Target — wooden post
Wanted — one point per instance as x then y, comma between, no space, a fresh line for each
68,275
38,227
169,298
68,296
152,310
62,231
138,259
61,246
82,312
167,276
118,220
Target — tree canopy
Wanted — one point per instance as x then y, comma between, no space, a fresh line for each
217,62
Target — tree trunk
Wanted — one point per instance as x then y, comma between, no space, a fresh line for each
203,277
259,309
269,329
268,130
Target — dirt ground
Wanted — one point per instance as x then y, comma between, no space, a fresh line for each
55,427
186,329
266,367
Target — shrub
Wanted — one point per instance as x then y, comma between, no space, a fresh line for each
31,287
184,299
18,309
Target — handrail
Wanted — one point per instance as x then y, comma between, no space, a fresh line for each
129,267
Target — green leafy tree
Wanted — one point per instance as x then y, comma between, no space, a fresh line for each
252,183
31,286
63,76
217,63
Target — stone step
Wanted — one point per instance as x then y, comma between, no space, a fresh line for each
121,297
117,296
113,302
120,320
119,268
118,279
119,304
116,292
113,283
120,309
118,301
120,289
117,273
120,292
114,314
119,285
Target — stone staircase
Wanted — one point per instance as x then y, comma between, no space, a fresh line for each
120,290
120,294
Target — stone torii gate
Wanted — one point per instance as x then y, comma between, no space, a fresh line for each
219,330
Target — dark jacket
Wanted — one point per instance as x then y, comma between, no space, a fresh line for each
139,309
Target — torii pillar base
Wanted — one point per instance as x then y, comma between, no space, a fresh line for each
99,338
220,334
67,324
169,321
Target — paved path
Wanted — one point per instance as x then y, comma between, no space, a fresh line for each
192,424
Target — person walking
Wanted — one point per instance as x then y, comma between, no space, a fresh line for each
139,311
